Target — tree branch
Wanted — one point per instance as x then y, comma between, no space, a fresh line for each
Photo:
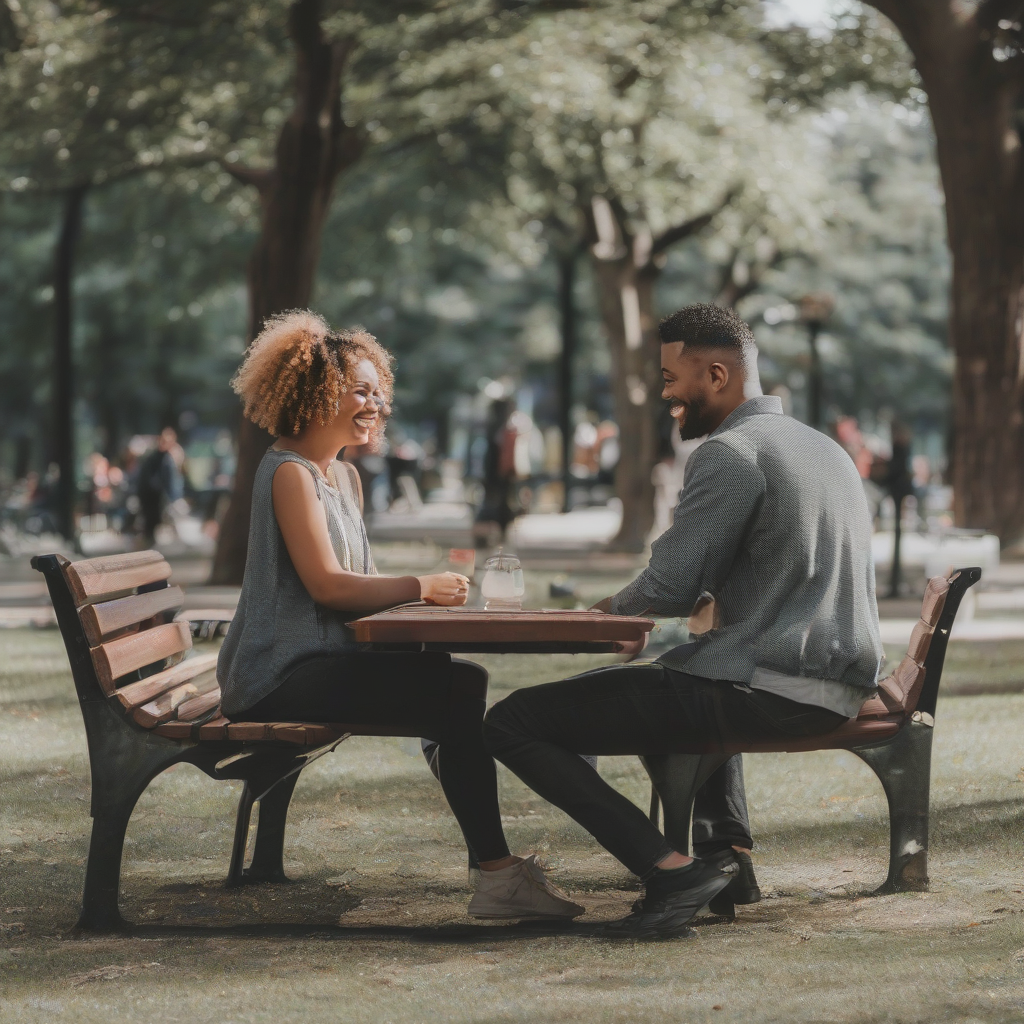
690,227
259,178
731,291
10,34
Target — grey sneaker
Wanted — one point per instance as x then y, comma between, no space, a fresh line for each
521,891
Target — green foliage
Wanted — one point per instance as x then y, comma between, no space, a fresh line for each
855,46
159,304
886,262
490,127
104,91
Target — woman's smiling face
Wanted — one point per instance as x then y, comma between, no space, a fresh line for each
359,409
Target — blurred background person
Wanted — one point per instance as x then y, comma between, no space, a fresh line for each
159,483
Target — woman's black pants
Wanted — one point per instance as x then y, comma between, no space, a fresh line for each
426,694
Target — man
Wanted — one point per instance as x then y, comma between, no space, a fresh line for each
772,525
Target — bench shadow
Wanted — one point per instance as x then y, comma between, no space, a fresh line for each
452,934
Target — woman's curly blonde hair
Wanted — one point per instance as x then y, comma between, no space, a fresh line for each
297,369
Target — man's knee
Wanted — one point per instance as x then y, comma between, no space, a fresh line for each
504,723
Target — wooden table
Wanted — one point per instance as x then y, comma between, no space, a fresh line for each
423,627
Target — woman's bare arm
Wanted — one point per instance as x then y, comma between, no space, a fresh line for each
303,525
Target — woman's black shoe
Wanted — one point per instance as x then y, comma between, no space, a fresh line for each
743,889
671,901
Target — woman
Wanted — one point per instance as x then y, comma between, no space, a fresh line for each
288,655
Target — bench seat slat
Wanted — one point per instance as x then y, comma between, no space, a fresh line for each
100,620
220,729
164,706
136,694
850,734
118,657
216,729
94,578
247,732
174,730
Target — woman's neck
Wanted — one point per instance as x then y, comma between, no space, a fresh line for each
317,447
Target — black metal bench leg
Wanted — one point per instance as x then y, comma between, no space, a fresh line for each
242,819
122,763
100,912
268,853
903,766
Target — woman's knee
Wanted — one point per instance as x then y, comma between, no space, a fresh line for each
469,680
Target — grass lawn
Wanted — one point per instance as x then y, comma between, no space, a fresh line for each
373,929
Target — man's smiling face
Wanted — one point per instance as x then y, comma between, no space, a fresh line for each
692,379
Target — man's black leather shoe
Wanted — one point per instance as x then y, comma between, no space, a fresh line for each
743,889
670,903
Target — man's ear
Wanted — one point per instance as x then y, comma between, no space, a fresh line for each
719,373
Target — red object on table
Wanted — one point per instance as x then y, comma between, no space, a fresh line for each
471,629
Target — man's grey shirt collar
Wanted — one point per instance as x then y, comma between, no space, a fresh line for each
759,405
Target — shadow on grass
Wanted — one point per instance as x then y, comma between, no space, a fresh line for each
447,933
985,823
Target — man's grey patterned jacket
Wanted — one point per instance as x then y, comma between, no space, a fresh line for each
773,523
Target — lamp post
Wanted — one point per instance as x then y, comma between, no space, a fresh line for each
815,309
900,484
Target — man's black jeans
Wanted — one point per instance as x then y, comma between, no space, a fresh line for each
539,733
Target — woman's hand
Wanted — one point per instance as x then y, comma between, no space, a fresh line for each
446,588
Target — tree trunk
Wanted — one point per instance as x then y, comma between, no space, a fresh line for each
567,316
975,104
983,212
815,377
626,264
63,442
626,301
314,147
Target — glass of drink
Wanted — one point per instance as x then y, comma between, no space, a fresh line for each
503,585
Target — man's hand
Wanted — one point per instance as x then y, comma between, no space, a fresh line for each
603,606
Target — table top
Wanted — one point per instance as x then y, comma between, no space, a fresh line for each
528,631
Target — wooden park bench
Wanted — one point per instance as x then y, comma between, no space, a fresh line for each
892,734
147,706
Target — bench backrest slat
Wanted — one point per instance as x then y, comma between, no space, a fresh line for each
199,705
135,695
959,583
170,701
100,621
126,654
914,685
95,578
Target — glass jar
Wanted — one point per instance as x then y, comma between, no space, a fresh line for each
503,585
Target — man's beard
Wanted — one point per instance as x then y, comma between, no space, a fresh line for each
695,423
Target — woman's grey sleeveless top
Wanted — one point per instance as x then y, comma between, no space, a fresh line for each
277,624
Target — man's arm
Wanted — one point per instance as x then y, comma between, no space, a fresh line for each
721,493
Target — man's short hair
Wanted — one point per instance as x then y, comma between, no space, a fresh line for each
704,325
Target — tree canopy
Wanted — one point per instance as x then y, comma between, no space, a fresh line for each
736,163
